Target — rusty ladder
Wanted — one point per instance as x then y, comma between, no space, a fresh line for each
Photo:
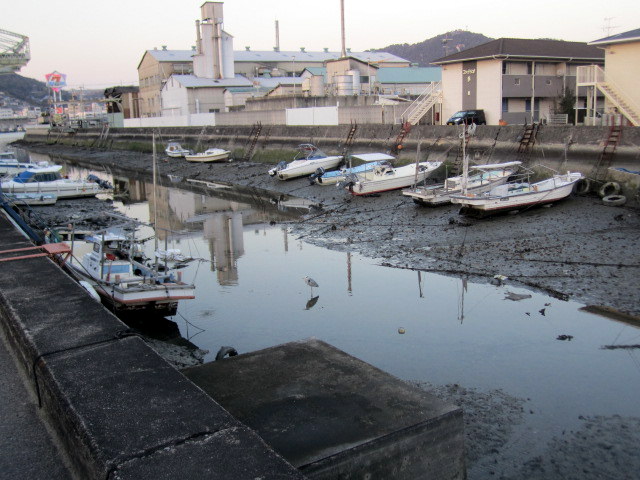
608,151
252,141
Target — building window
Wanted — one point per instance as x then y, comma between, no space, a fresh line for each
516,81
527,105
505,104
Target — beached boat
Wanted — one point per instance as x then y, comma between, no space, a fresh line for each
518,195
385,177
209,155
371,160
121,279
483,178
308,159
49,180
39,199
175,150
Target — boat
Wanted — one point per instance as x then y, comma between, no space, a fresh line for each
482,179
10,166
386,177
371,160
307,161
48,180
32,199
517,195
209,155
114,267
175,150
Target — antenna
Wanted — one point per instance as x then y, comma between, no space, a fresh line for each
607,25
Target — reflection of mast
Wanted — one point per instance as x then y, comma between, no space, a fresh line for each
461,306
286,239
420,284
349,289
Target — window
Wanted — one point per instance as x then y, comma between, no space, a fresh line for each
505,104
527,105
516,81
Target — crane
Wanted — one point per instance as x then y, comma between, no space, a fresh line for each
14,51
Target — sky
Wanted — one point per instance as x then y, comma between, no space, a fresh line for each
100,44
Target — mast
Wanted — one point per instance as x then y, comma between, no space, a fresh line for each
155,200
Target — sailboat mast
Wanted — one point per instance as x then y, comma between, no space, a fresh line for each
155,198
465,160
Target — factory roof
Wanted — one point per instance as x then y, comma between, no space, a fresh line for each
409,74
191,81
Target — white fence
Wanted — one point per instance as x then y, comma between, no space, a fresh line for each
193,120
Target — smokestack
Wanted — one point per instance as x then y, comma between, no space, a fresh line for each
277,49
198,38
343,52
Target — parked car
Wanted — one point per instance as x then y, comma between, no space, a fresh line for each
468,117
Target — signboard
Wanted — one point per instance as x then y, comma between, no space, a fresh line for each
56,80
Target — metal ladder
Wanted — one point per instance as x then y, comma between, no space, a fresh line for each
527,141
252,141
350,138
404,131
608,152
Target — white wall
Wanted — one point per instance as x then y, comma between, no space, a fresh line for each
451,90
175,100
175,121
312,116
489,90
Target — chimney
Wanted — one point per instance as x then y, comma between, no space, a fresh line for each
343,52
164,48
302,49
277,47
326,50
247,48
198,38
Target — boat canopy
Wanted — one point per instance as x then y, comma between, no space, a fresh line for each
107,237
494,166
24,177
373,157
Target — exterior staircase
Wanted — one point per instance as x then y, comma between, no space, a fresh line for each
421,105
622,104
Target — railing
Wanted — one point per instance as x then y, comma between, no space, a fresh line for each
416,108
590,74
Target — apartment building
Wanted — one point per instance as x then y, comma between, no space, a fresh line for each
514,80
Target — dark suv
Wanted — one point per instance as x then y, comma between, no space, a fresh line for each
468,117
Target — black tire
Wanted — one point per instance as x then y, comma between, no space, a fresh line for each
609,189
582,186
614,200
224,351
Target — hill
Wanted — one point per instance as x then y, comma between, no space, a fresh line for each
425,52
28,90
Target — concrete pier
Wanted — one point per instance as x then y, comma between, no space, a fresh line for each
117,409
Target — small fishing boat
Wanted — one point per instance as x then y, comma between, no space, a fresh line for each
39,199
209,155
114,267
48,180
483,179
385,177
308,159
517,195
175,150
371,160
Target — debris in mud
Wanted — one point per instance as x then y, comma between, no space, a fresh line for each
516,297
565,337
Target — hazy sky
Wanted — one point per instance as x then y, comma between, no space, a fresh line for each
99,44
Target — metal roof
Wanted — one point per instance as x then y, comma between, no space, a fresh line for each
630,36
288,56
521,48
409,74
191,81
172,55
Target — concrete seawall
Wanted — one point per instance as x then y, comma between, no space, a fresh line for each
119,410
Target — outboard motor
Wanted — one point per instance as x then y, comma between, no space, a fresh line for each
103,183
349,181
317,174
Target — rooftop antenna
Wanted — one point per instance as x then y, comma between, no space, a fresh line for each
343,52
607,25
445,41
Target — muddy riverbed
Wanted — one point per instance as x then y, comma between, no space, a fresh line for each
578,249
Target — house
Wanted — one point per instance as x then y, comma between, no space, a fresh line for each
188,94
514,80
618,81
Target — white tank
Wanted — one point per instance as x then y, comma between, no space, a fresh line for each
227,56
355,74
344,84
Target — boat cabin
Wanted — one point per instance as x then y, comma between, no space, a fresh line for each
48,174
112,252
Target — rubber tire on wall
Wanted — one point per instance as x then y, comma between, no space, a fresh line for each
582,186
609,189
614,200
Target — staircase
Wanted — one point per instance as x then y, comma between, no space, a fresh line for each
623,105
599,171
421,105
252,141
527,141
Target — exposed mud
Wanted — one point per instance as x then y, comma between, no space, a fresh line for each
578,249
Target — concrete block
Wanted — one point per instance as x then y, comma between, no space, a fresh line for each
334,416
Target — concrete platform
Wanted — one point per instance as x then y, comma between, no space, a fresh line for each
334,416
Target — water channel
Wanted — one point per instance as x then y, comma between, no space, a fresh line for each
418,326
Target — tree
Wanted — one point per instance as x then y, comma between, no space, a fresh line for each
566,104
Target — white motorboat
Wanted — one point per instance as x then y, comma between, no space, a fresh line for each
307,161
385,177
10,166
371,160
484,179
209,155
175,150
517,195
124,283
48,180
39,199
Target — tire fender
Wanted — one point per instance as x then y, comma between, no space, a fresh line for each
609,189
614,200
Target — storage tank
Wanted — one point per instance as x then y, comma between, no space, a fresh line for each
355,74
317,86
344,84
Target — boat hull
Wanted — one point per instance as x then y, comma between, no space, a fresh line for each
60,188
211,157
32,198
300,168
331,178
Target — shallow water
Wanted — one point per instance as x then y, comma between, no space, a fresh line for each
251,295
